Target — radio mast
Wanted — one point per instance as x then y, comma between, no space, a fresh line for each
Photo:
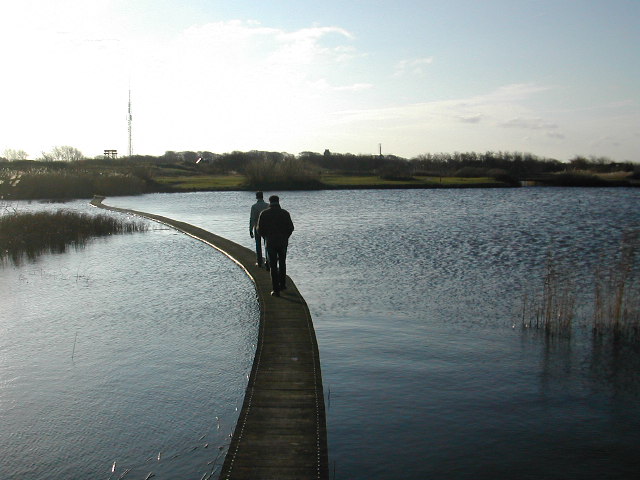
129,122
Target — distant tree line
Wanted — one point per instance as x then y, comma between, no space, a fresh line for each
506,166
467,164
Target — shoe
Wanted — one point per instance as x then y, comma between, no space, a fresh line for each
275,293
258,264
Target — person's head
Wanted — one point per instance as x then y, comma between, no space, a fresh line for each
274,200
259,195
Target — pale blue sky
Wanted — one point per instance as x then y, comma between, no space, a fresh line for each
555,78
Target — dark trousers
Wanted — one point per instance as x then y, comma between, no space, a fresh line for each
277,258
258,248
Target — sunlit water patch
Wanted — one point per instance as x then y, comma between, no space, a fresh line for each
133,350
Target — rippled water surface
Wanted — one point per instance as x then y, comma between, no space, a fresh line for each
415,297
133,350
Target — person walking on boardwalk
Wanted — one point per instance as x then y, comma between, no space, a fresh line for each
275,225
256,209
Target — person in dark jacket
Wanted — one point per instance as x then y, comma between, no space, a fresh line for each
256,209
275,225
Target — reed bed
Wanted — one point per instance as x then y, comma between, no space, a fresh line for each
615,311
553,308
617,293
32,234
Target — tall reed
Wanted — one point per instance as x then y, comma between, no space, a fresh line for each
31,234
617,293
552,308
616,297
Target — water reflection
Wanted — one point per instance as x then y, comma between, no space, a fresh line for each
616,364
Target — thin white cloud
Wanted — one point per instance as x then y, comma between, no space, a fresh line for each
322,86
356,87
605,141
556,135
497,105
238,47
470,118
509,94
529,124
245,83
314,34
220,85
416,66
473,123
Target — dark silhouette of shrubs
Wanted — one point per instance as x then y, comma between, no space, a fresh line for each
65,184
518,165
290,174
399,170
569,179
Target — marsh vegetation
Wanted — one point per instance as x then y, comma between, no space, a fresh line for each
615,311
30,234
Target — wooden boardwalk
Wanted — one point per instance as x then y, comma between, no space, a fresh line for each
281,431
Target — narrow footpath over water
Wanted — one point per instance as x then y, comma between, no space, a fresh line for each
281,431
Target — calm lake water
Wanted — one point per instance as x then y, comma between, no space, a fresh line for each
134,350
416,299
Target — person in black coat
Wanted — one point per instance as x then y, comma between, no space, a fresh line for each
275,225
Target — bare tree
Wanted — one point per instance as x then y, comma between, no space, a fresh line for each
63,154
11,154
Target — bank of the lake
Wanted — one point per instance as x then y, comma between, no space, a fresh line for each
63,181
329,181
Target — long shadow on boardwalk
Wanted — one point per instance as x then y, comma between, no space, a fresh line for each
281,431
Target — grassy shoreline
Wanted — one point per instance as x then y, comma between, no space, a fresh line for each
326,182
49,183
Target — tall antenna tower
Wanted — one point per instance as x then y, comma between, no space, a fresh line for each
129,122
